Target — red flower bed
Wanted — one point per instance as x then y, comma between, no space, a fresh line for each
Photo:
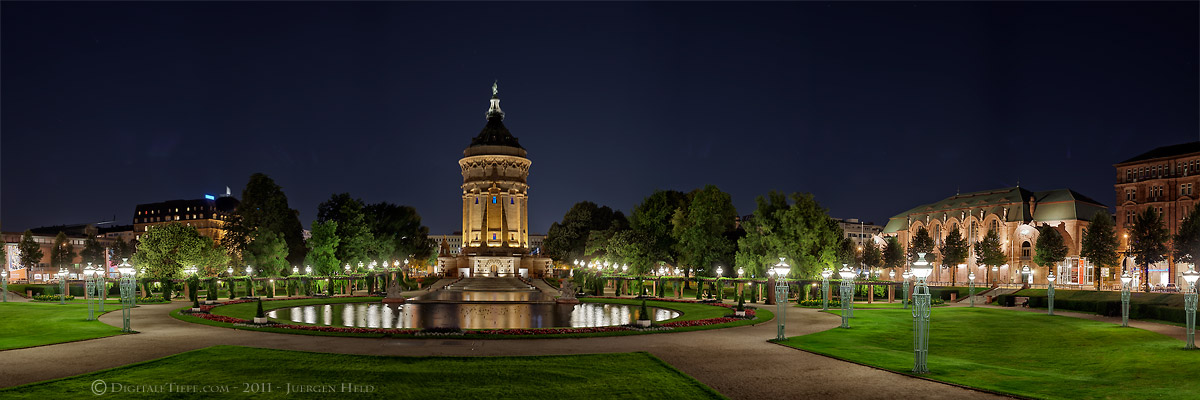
699,322
220,318
546,331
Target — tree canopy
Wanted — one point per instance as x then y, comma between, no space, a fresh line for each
989,251
29,251
799,230
955,250
567,240
700,229
1148,242
322,248
165,250
651,219
1186,244
1050,247
92,252
264,206
397,232
63,252
353,231
921,243
1099,244
893,253
267,253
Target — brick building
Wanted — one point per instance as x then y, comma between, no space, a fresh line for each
1164,179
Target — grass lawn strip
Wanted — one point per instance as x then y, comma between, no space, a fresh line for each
37,324
1021,353
688,312
235,369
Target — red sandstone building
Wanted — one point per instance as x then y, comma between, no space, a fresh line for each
1164,179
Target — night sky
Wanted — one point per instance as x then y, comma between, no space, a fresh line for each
874,108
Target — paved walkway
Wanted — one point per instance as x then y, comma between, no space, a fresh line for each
737,362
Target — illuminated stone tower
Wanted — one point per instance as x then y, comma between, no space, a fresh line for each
494,191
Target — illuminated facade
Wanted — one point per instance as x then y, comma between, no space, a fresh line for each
208,215
495,238
1015,214
1165,180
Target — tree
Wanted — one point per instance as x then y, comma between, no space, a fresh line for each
165,250
92,252
651,219
1148,242
921,243
120,249
353,232
988,251
893,253
1100,244
29,251
267,253
567,240
799,230
397,232
264,206
1050,248
872,257
847,252
1186,243
322,248
954,251
700,230
63,253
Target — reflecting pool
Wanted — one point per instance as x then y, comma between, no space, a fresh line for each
466,315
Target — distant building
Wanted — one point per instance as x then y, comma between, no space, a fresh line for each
44,237
208,215
1164,179
1015,213
861,232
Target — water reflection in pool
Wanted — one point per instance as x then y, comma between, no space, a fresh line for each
465,315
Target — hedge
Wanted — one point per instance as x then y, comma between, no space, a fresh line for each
1159,311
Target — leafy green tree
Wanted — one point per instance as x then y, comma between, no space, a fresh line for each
1050,247
631,247
988,251
165,250
397,232
264,206
847,252
651,219
63,252
30,252
92,252
1148,242
700,231
893,253
1100,244
955,250
267,253
1186,243
120,249
567,240
921,243
353,231
322,248
799,230
872,257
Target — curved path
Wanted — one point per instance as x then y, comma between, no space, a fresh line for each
737,362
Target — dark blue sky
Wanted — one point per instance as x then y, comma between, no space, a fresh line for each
873,107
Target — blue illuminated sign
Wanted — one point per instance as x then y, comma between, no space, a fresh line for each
210,197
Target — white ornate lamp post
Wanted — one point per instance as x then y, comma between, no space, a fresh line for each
1125,281
90,290
906,276
995,274
4,282
128,277
1028,278
740,285
62,285
250,280
971,276
1189,305
847,300
1050,293
781,293
921,270
825,289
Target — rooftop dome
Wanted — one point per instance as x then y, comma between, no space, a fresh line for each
494,132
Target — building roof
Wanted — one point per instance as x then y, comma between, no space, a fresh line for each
1050,205
1166,151
223,204
495,134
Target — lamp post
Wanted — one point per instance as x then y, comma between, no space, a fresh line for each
906,276
825,289
921,270
995,272
250,279
1050,293
1028,278
781,293
62,285
127,281
89,287
4,282
971,276
1189,306
1125,280
847,286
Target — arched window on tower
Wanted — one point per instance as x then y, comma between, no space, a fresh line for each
1026,250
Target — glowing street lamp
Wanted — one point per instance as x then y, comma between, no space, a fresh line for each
90,290
825,274
4,282
781,293
128,279
308,270
62,284
921,270
847,286
1028,274
1189,305
1125,281
971,276
1050,293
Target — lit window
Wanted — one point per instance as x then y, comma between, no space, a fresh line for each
493,199
493,236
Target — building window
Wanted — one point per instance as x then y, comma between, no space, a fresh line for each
1026,250
476,200
493,199
493,236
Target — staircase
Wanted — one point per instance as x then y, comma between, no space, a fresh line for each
981,296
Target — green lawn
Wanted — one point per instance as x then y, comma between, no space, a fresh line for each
36,324
1170,299
1022,353
230,369
688,312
